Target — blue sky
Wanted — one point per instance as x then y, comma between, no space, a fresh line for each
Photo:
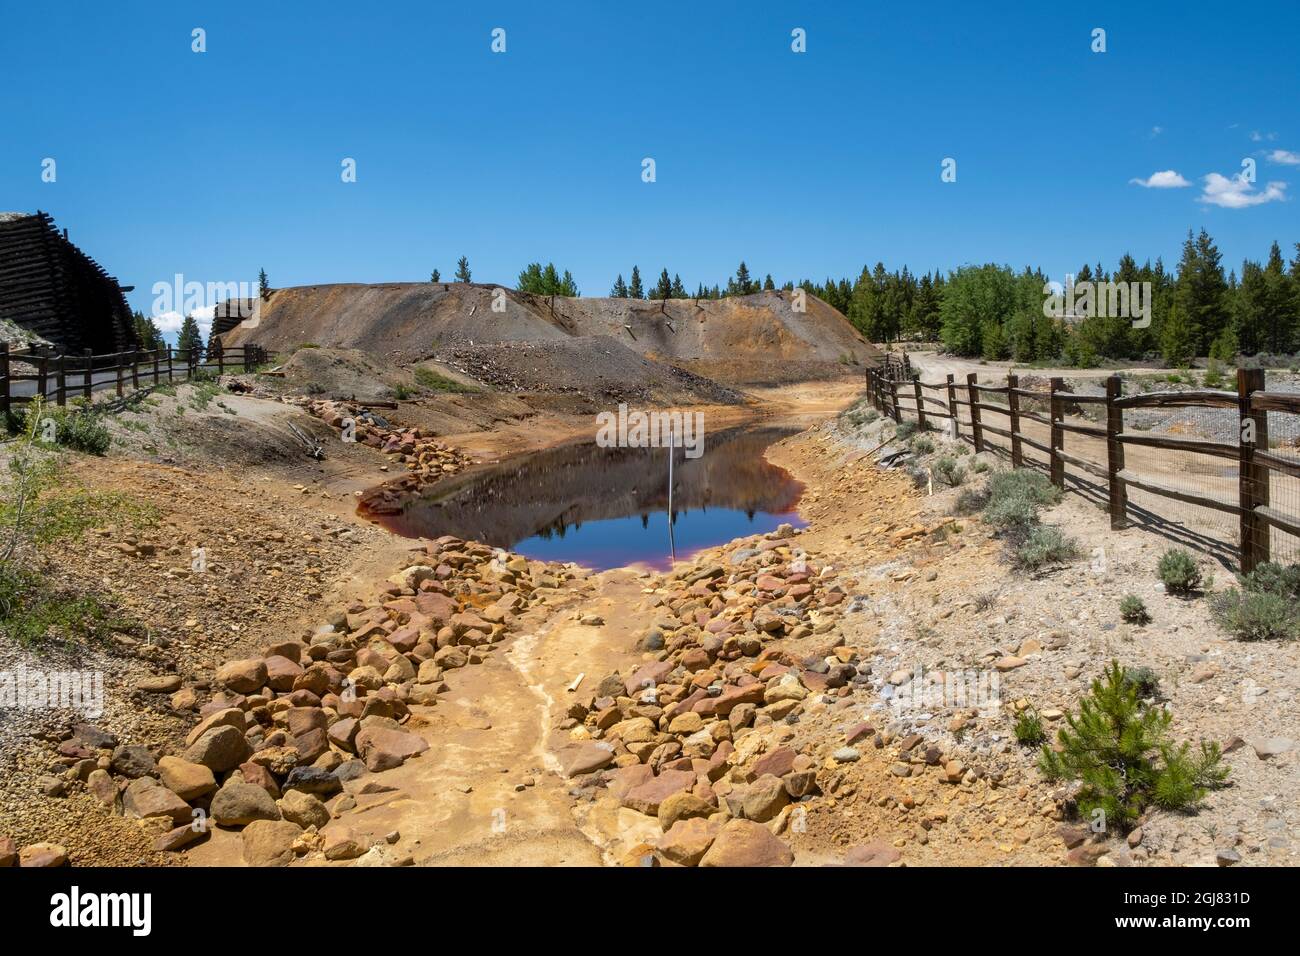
216,164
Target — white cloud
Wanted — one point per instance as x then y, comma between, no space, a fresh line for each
1156,131
1237,193
1165,179
1283,157
169,323
1257,137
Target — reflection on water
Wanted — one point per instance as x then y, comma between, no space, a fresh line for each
607,507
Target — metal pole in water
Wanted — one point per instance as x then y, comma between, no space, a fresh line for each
672,544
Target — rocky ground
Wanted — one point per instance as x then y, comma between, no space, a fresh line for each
324,694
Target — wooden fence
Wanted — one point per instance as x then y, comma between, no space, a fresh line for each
894,390
56,377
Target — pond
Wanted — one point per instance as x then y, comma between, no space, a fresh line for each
608,507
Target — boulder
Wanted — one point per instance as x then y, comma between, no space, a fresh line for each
220,749
300,807
238,804
746,843
185,779
688,840
269,842
383,749
243,677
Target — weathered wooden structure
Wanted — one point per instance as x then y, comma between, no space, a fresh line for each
50,287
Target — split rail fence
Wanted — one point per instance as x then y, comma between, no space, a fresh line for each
57,377
1240,497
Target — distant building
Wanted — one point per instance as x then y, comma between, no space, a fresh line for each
52,289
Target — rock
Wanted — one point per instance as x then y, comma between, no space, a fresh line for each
646,797
243,677
146,798
91,736
342,844
687,840
846,755
1005,664
746,843
317,781
226,717
220,749
876,853
8,851
1271,746
134,761
42,855
1226,857
765,798
162,684
777,762
187,780
858,732
179,838
383,749
238,804
270,842
300,807
683,805
577,759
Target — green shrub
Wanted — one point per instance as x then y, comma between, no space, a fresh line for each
81,431
949,472
1179,572
1133,609
1029,728
922,445
904,431
1256,615
970,500
1023,483
1043,546
1120,752
428,378
979,466
1273,578
1144,681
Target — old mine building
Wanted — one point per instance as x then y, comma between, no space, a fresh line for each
51,289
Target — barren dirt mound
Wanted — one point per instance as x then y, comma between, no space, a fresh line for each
342,373
762,338
598,368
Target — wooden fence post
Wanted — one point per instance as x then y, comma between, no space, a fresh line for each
977,433
42,377
135,369
118,359
952,407
1055,413
1013,412
170,359
920,402
893,395
4,374
1252,478
89,373
1115,454
61,380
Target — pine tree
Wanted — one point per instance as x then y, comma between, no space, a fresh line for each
620,288
263,285
1178,338
190,340
741,285
634,290
435,276
664,288
147,332
678,290
462,269
567,286
768,284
